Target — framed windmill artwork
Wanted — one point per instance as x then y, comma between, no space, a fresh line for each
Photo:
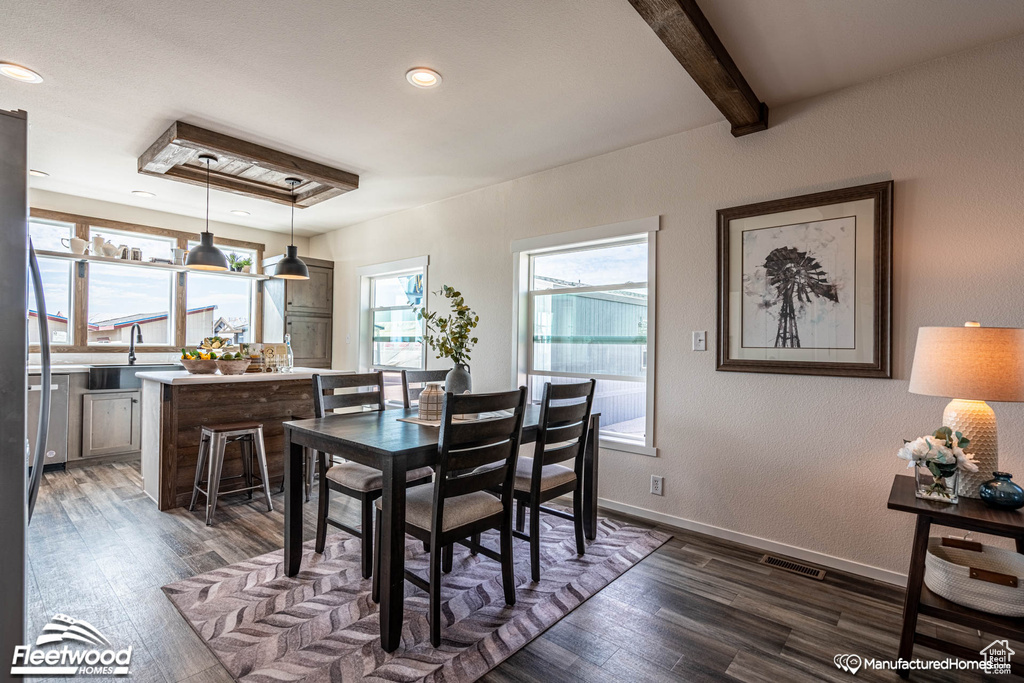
805,284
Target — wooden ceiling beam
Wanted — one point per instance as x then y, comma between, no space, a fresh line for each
689,37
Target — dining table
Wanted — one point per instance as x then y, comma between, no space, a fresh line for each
385,441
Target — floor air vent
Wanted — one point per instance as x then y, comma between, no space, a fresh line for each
791,566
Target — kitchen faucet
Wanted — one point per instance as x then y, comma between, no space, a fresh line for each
134,337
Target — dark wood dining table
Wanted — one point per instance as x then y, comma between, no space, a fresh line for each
380,440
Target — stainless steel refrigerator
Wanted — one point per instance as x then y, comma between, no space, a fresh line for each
20,471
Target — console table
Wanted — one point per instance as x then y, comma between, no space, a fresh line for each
971,515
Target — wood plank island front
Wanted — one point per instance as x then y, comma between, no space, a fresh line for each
176,405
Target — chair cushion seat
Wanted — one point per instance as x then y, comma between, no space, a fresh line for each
458,511
358,477
550,476
354,476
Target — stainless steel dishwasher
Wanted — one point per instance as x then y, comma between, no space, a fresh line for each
57,436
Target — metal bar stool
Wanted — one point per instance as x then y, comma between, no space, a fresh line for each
212,444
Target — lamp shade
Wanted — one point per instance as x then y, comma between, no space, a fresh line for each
973,363
291,267
205,256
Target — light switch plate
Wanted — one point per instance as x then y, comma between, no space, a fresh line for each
700,341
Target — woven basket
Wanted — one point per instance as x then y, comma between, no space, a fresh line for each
199,367
948,572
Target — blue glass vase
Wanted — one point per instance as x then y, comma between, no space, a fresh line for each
1002,493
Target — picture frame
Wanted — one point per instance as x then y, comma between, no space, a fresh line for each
805,284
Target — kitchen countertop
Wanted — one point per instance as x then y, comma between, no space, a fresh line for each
182,377
58,369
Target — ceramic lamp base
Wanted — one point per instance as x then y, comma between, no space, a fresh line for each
976,421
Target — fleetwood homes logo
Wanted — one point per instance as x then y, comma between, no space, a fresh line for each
84,651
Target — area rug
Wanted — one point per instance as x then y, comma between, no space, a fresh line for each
321,625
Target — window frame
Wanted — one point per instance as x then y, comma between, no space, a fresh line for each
367,274
78,331
523,309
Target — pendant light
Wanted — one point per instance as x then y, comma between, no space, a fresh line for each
205,256
291,267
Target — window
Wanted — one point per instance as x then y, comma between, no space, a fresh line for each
220,306
392,334
588,307
121,296
151,246
56,275
397,333
91,304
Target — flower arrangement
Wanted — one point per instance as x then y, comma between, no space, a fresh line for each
450,336
942,454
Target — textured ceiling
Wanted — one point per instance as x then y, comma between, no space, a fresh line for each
528,85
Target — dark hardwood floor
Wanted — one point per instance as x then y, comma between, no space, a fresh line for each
698,609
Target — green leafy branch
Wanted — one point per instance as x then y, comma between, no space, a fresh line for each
451,336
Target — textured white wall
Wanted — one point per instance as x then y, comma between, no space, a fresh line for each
803,461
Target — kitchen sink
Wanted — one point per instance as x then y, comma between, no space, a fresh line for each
123,376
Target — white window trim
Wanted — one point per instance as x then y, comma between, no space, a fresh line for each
366,274
522,249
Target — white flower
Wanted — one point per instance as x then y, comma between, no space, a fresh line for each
964,461
907,454
944,456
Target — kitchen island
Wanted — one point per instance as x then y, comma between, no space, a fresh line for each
176,405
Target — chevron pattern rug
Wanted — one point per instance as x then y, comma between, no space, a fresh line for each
322,625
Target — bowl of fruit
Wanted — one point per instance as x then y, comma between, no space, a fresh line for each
232,363
199,362
218,344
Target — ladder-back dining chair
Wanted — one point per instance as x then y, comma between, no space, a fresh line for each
474,457
352,479
562,433
410,393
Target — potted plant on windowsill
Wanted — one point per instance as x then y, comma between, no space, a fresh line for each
239,264
451,337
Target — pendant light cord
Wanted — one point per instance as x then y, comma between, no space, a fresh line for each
207,195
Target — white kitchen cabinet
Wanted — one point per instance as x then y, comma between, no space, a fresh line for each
111,423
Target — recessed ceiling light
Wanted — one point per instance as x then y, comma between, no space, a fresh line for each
20,73
39,174
142,193
239,212
422,77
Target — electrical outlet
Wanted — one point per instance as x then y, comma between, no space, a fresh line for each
700,341
348,338
657,485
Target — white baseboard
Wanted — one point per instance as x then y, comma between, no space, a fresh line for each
760,543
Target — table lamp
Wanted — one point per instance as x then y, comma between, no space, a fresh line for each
971,364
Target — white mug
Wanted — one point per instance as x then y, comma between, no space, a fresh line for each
76,244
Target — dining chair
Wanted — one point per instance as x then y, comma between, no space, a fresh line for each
411,394
352,479
474,457
562,432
